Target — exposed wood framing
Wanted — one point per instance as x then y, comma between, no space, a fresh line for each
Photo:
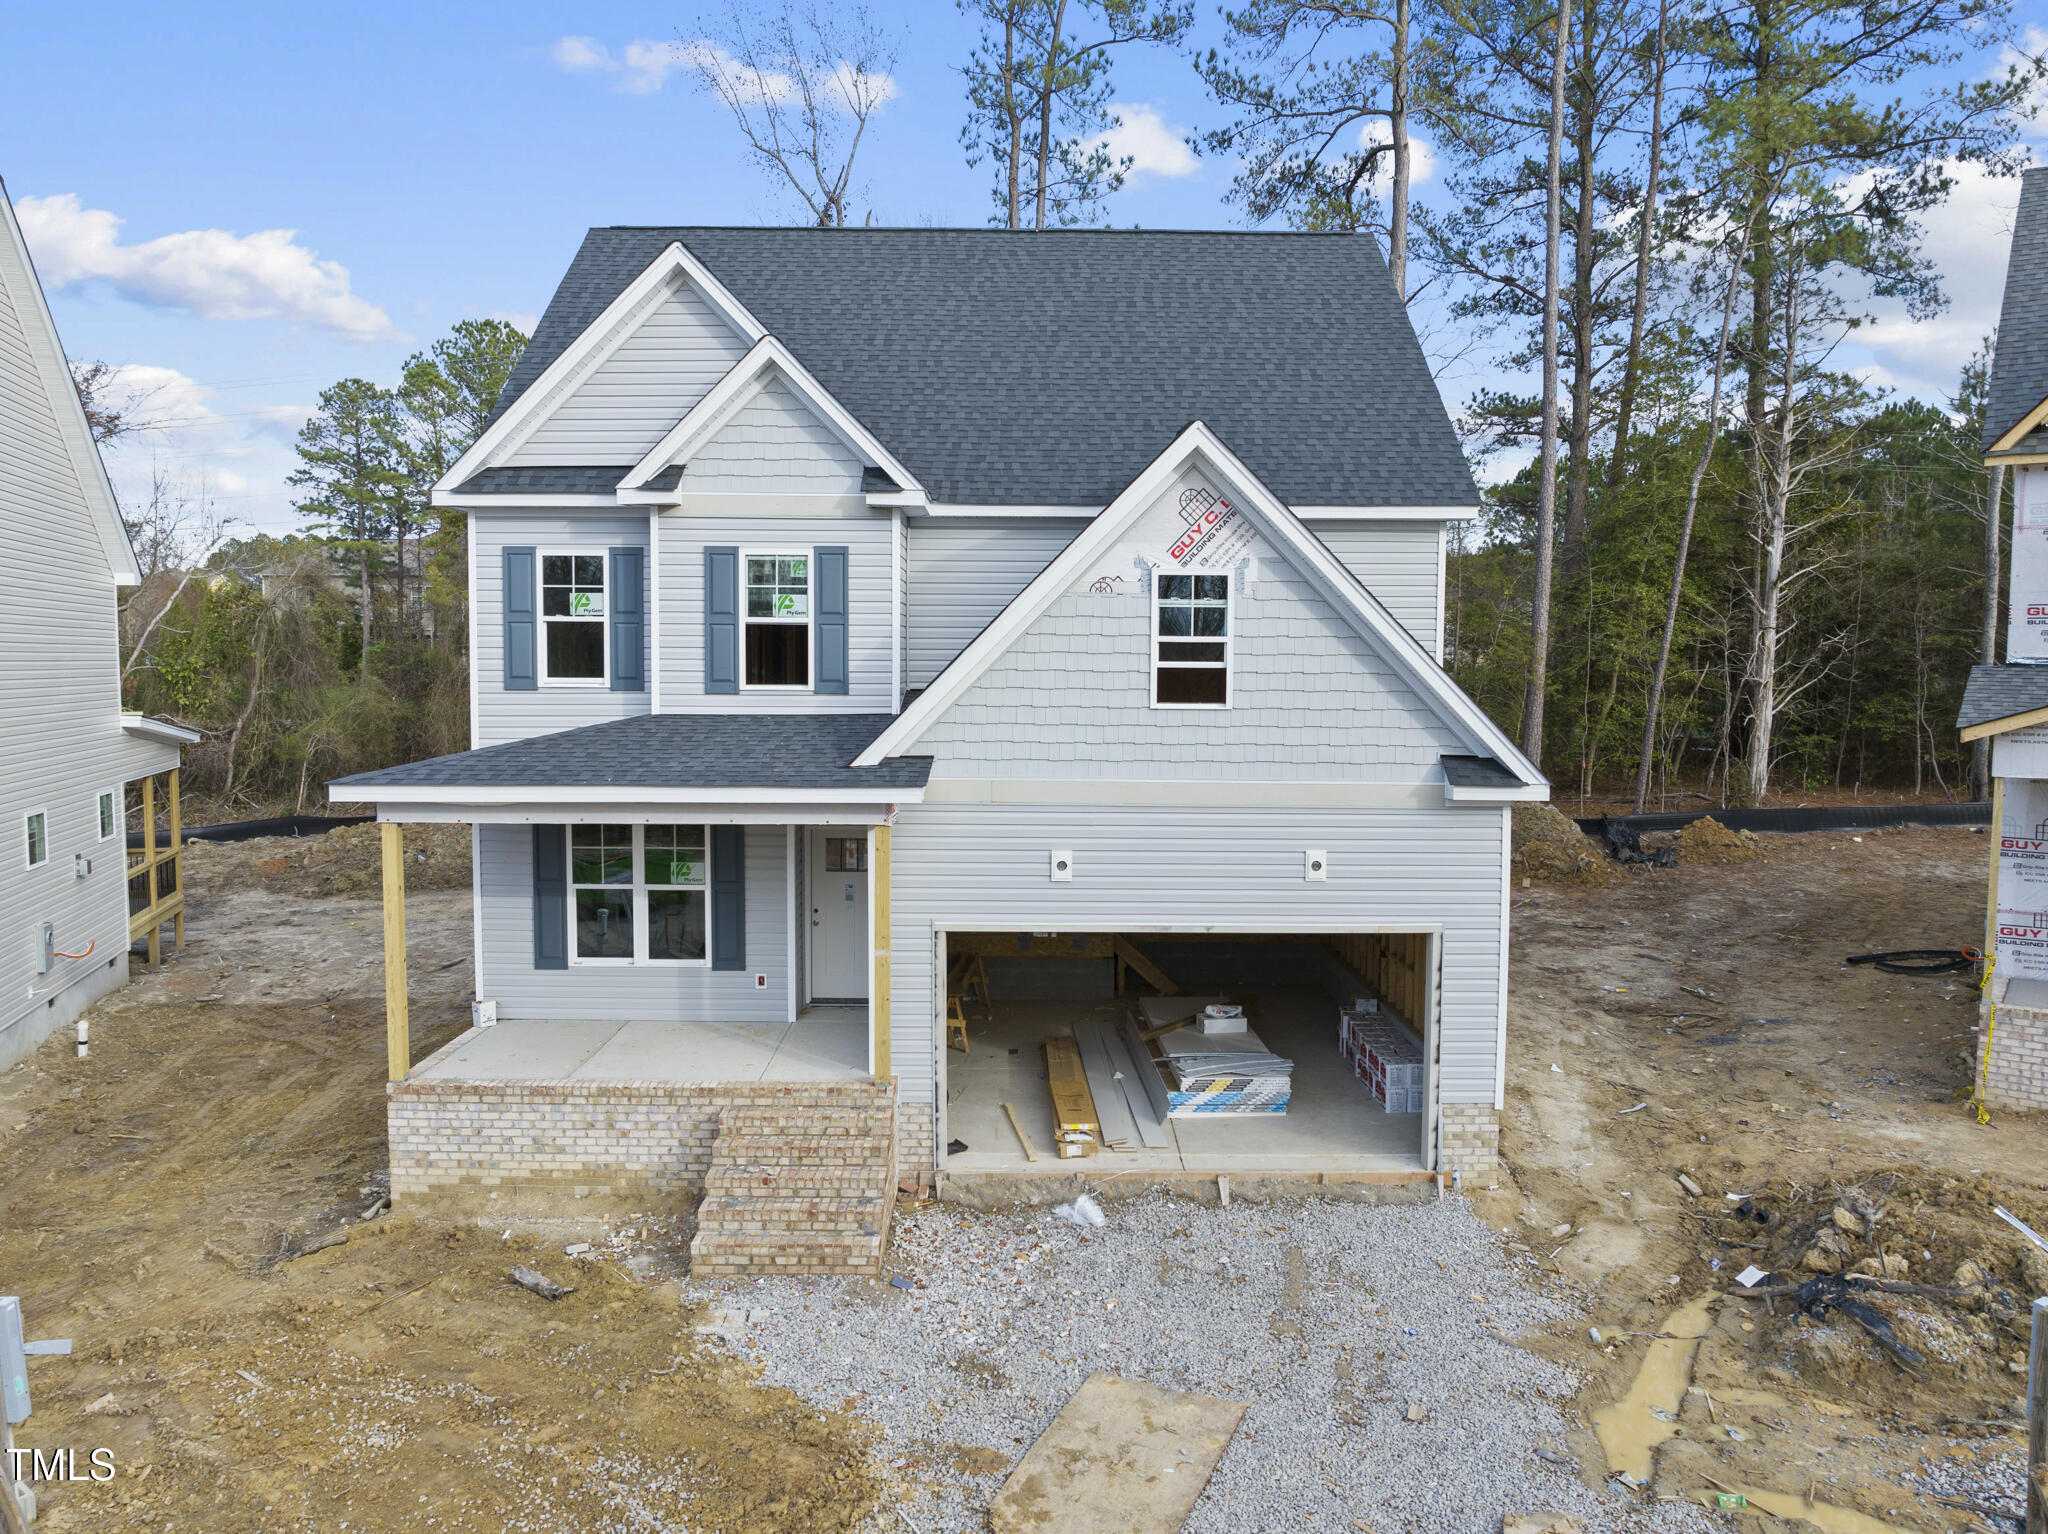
2006,725
150,904
397,1022
1394,964
1129,956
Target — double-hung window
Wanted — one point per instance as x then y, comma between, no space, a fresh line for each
38,828
777,608
1192,641
640,894
572,615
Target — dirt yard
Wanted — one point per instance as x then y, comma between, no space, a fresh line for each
1698,1022
167,1203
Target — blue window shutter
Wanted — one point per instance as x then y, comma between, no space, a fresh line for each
629,620
828,623
721,620
522,627
550,897
728,897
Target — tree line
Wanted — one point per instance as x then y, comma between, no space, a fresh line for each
1724,565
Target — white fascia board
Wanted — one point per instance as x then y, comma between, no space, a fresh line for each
599,340
1229,793
874,813
968,509
747,377
890,500
147,728
598,798
535,500
1343,589
1527,793
1386,513
53,374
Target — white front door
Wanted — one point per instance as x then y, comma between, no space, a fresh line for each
839,914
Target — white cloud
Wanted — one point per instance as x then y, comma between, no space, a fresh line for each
1154,148
1421,158
1967,238
643,67
214,274
235,453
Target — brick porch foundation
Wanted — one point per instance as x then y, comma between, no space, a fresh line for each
2012,1062
1471,1142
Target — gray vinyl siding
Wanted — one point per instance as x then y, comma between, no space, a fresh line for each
961,572
502,715
679,561
61,741
1311,700
1399,564
639,992
628,403
984,868
774,445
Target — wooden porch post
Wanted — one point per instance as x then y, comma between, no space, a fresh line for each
397,1026
156,942
878,992
177,862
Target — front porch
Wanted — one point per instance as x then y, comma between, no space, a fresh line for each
825,1043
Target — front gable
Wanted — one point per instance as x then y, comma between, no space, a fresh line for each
662,365
1073,695
1323,682
773,443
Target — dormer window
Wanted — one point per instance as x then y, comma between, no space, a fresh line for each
777,605
1192,638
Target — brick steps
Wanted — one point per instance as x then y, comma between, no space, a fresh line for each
797,1189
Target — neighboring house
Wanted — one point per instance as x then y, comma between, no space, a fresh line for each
2008,704
874,625
70,760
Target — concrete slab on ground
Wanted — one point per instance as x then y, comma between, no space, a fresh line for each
1122,1457
824,1044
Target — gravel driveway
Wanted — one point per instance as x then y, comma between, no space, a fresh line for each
1332,1321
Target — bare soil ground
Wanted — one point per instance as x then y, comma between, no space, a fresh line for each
230,1115
1699,1022
163,1203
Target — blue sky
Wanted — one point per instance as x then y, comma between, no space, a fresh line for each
436,161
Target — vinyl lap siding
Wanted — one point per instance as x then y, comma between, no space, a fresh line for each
774,445
61,741
502,715
632,993
685,534
962,572
982,867
647,385
1071,699
1398,562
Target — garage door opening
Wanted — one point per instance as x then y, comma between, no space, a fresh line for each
1181,1052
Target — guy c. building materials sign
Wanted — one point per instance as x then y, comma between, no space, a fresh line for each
2023,880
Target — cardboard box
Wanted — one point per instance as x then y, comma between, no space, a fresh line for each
1073,1105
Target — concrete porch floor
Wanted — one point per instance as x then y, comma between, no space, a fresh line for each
823,1044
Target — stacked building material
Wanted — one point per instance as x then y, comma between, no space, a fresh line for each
1222,1073
1385,1056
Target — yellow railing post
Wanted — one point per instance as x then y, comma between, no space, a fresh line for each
878,1002
156,946
397,1026
177,858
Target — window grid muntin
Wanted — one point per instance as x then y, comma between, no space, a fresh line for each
610,864
1191,631
575,595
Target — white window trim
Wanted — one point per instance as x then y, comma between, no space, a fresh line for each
1229,644
810,559
120,816
604,623
28,846
639,889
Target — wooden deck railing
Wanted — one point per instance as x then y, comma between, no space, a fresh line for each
156,873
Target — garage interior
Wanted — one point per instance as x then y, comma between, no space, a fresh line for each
1114,995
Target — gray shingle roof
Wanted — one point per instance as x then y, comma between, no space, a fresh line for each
670,751
1050,368
1999,692
545,481
1478,772
2019,370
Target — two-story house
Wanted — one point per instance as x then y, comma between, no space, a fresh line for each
74,770
879,628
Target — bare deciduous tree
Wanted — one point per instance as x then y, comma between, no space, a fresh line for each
801,81
174,533
113,409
